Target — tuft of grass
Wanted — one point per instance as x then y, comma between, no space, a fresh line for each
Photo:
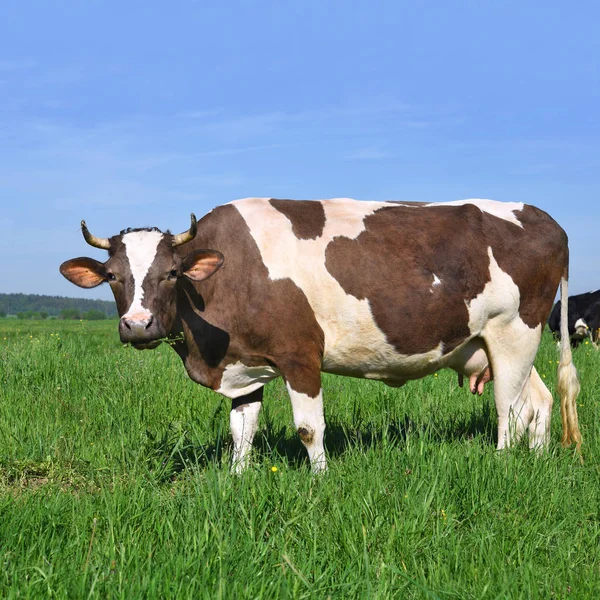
115,482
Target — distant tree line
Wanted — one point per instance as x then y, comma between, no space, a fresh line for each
34,306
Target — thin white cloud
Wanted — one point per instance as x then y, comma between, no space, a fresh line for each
119,193
51,77
126,162
369,119
243,127
200,114
227,151
211,180
7,66
143,164
368,153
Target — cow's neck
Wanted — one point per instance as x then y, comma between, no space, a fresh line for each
204,345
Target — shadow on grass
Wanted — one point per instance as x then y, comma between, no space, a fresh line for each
173,451
342,437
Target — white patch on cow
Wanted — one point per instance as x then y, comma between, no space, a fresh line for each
582,329
243,422
511,346
541,402
354,344
500,298
239,379
310,424
140,249
469,359
502,210
436,282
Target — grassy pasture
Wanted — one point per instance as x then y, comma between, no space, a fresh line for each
114,483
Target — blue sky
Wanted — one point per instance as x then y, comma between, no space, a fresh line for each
138,113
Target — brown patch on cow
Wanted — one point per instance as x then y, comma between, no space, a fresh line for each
306,216
392,264
241,314
306,435
534,257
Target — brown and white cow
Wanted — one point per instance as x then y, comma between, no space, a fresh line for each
263,288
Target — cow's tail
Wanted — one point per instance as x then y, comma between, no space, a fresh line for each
568,382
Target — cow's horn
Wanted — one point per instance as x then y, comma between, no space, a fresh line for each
92,240
187,236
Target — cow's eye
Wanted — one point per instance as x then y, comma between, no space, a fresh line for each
172,273
110,277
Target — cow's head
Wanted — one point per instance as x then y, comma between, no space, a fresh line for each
142,270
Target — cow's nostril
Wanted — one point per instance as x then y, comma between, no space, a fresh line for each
126,323
149,322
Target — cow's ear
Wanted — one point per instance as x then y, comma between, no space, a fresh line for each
200,264
84,272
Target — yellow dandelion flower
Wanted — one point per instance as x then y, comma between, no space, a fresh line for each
274,469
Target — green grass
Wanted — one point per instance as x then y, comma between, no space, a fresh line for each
115,483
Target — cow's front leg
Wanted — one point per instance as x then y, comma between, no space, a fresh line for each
310,424
243,421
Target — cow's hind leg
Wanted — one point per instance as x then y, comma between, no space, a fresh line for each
512,348
541,401
310,421
243,421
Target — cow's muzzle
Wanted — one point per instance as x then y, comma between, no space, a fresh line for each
142,333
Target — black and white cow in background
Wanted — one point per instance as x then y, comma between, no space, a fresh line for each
584,318
263,288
